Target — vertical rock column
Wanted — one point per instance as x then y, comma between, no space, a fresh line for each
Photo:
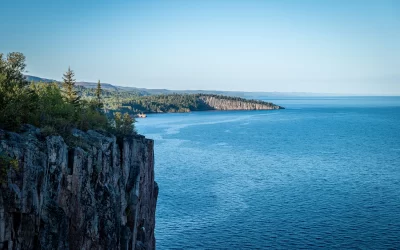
141,190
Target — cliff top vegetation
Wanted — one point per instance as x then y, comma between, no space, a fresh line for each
53,108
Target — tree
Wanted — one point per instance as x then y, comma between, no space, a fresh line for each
118,121
16,101
71,95
11,70
127,125
98,95
15,68
124,124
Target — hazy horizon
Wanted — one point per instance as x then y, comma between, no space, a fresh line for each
331,47
298,93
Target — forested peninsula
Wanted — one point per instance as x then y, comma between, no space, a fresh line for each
174,103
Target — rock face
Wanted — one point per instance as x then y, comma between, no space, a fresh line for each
226,103
100,195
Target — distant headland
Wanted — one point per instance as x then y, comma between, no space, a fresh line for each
181,103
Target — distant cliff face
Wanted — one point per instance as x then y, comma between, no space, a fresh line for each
229,103
97,196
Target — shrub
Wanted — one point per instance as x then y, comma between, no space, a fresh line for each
6,164
48,130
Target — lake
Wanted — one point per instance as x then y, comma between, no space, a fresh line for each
325,172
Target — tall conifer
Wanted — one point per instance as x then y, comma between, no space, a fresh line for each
71,95
98,95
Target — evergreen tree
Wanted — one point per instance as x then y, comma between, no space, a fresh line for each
16,101
11,70
118,121
71,95
127,125
124,124
98,95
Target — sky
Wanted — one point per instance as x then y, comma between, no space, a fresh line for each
320,46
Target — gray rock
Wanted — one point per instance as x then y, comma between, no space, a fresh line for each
100,197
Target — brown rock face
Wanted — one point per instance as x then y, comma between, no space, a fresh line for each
222,103
96,196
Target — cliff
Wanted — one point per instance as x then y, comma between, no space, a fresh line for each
99,195
218,102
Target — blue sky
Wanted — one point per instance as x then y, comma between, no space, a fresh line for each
350,47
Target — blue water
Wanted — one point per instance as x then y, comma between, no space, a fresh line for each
325,172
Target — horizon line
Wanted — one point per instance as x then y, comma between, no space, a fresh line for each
242,91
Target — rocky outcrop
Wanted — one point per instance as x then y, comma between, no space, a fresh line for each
217,102
98,195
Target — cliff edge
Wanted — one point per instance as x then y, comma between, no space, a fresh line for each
98,195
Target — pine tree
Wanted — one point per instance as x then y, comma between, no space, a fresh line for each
11,69
118,121
98,95
17,102
71,95
127,125
124,124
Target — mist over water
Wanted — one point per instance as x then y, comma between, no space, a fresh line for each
325,172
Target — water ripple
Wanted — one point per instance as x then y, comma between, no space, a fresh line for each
299,179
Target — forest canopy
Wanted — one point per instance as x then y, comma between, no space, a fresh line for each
55,108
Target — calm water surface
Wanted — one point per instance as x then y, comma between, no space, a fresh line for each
325,172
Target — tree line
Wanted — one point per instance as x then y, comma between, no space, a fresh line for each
53,107
169,103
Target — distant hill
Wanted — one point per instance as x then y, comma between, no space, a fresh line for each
145,91
38,79
83,84
93,85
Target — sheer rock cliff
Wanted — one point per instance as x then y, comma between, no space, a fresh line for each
226,103
98,195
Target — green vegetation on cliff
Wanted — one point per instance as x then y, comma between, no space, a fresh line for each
54,109
6,163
